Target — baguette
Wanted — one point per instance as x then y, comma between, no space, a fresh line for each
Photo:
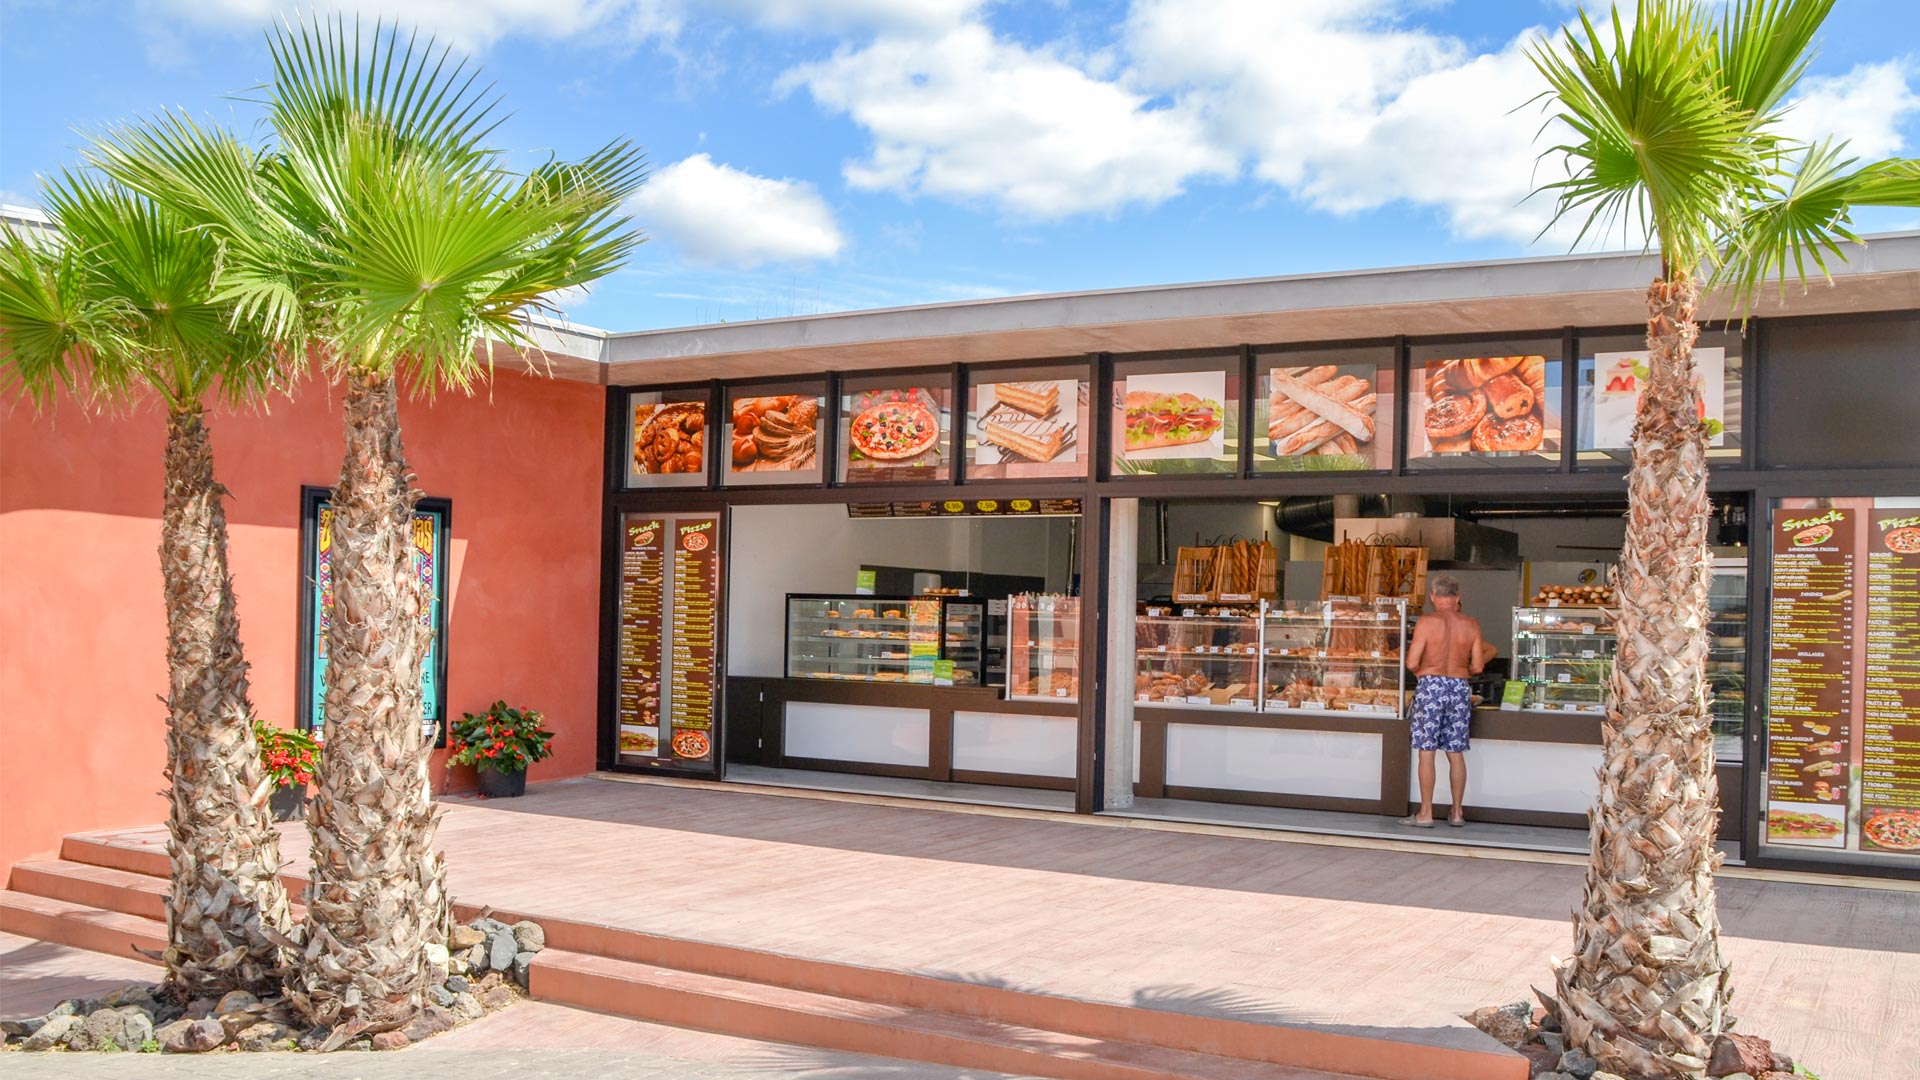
1291,416
1313,435
1348,420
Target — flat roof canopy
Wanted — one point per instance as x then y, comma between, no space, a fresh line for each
1460,298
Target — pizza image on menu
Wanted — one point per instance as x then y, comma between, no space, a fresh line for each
895,426
691,743
1905,541
1894,830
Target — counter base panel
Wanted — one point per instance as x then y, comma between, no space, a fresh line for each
1016,743
1541,776
1276,761
869,734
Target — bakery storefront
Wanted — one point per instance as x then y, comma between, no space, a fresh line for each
1180,583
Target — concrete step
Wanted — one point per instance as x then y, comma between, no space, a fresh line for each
115,933
148,859
780,1014
93,886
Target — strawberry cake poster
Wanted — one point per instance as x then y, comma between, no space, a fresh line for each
1618,377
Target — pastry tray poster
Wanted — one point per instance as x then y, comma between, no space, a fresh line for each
773,438
1324,416
1173,422
667,440
895,433
1485,407
1027,428
643,560
1618,378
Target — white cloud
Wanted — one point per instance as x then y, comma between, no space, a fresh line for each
1865,106
968,116
819,15
717,215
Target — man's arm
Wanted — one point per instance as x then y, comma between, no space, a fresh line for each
1418,646
1483,652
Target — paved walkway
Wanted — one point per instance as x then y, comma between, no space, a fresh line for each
1344,937
531,1039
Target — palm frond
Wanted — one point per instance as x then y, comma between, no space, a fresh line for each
1810,219
1764,49
1893,182
51,323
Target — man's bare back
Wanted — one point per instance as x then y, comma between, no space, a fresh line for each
1447,642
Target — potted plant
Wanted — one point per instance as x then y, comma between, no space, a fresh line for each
289,757
500,744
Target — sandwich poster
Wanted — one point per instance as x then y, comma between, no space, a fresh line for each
1618,378
1027,428
1172,417
1323,416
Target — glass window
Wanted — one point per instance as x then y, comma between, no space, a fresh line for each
773,433
1325,409
1841,394
1028,422
1176,417
667,438
1608,378
1485,405
894,428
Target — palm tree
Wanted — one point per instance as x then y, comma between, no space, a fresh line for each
378,229
1676,130
122,299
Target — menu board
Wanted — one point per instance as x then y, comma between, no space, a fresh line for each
1890,724
1027,428
668,436
967,508
894,433
1325,412
1810,694
643,554
696,624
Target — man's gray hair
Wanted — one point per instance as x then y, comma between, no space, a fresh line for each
1445,585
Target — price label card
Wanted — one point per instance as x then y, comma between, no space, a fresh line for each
1313,705
1586,628
1241,703
1586,654
1376,654
1143,697
1186,613
1383,616
1279,706
1564,677
1553,603
1196,699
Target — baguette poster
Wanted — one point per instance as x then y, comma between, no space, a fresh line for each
1486,405
1323,411
1174,415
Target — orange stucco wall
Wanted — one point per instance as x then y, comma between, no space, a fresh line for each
82,629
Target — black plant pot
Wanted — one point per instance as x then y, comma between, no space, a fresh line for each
495,784
288,803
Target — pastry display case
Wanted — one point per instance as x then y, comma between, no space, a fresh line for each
1727,657
1336,655
1043,647
1208,657
1563,658
929,639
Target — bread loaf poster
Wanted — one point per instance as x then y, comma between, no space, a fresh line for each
1618,378
1493,405
773,435
1026,428
1173,415
1325,412
894,433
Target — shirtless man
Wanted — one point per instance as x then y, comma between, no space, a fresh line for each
1447,647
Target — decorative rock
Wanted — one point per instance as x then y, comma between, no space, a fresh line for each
477,957
69,1007
441,996
528,935
1782,1062
264,1036
1740,1054
501,950
458,984
54,1032
497,998
16,1030
1507,1023
467,1007
519,970
1553,1041
200,1008
235,1001
1579,1063
489,927
465,937
488,981
390,1040
361,1043
1539,1058
315,1038
431,1021
103,1026
457,964
237,1022
170,1030
436,953
1554,1076
198,1036
136,1028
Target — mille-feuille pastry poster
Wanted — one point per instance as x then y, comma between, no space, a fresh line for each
1027,428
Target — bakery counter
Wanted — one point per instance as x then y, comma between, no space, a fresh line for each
964,734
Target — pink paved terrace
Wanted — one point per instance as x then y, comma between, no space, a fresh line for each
1334,938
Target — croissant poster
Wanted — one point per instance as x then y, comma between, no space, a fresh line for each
1618,378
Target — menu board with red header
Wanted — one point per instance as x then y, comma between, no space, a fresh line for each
1810,699
1890,725
696,591
643,551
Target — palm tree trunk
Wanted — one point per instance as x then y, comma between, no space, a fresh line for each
226,898
378,895
1646,991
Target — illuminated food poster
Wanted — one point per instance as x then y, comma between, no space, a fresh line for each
773,438
1323,411
1485,406
895,433
1027,428
1620,376
1173,415
669,442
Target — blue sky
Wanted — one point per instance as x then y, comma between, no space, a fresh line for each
819,155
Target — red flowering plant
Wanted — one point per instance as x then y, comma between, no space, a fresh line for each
289,756
503,738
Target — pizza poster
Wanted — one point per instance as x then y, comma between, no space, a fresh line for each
1618,378
692,699
1810,694
643,560
1486,406
1028,428
1890,713
894,433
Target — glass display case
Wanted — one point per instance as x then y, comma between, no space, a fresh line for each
933,640
1563,658
1043,647
1336,655
1727,657
1210,658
